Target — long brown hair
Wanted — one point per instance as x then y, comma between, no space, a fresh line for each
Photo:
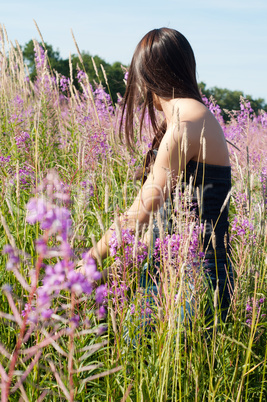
163,64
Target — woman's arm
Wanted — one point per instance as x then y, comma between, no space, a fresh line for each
168,164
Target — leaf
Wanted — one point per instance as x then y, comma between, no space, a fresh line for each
27,372
59,381
54,343
88,368
4,351
96,376
92,349
253,368
44,343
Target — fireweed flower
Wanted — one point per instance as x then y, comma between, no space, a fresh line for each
100,294
214,108
258,306
101,330
54,279
4,160
46,314
125,251
87,187
124,255
142,307
39,55
101,313
21,139
89,265
37,209
13,258
52,218
75,320
78,283
64,83
103,103
62,277
81,75
170,249
26,175
242,228
57,220
118,293
27,309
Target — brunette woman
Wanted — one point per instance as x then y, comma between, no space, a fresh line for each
162,76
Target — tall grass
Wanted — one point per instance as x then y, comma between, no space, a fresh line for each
48,124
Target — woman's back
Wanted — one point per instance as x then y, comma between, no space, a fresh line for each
197,120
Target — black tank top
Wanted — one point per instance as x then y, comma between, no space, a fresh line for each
214,183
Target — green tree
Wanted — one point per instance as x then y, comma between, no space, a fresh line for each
55,61
113,72
230,100
226,99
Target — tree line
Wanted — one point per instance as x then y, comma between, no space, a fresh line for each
114,72
225,98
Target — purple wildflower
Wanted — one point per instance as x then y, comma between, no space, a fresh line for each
257,306
81,75
127,248
64,83
100,293
13,257
101,330
101,313
37,209
40,59
46,314
78,283
54,278
54,219
75,320
43,299
5,160
243,228
91,272
103,103
21,139
28,310
41,246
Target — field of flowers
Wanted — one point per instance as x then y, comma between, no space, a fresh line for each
65,177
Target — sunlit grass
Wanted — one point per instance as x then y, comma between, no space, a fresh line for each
76,135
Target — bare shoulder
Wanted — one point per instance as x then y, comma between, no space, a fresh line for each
195,118
191,116
193,111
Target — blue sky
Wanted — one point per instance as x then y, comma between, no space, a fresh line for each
229,37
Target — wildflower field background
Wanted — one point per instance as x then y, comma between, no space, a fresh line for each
65,177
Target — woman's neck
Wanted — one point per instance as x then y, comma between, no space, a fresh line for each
170,109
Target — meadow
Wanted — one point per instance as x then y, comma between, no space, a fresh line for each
66,176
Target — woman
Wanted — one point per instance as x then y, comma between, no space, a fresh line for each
162,76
